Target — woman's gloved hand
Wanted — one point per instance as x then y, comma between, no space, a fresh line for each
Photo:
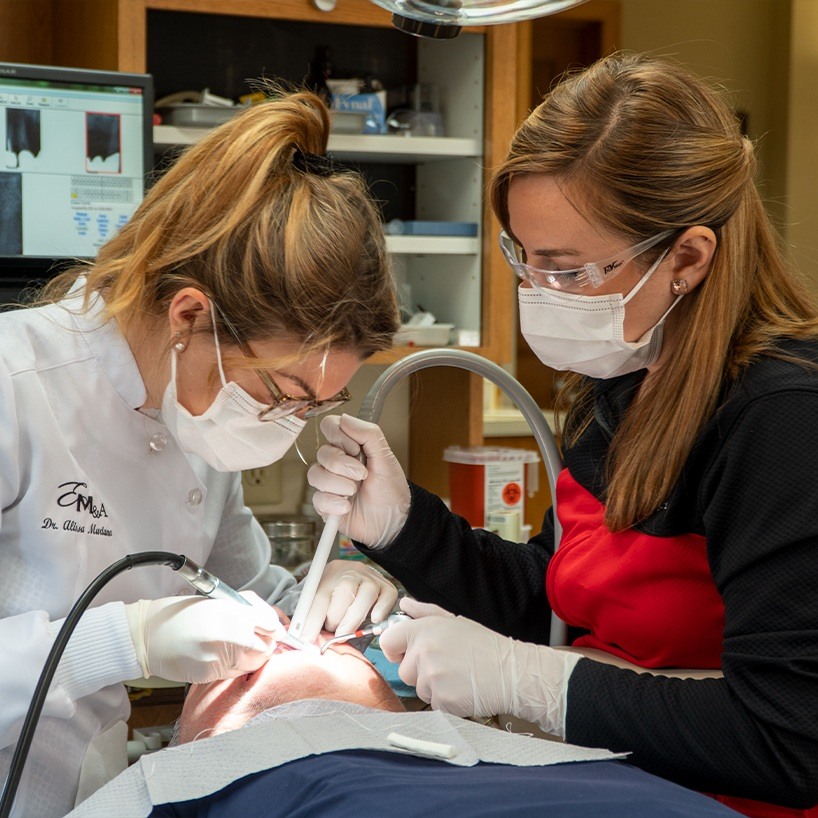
463,668
348,591
375,511
196,639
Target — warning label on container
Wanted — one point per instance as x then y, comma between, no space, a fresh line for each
503,486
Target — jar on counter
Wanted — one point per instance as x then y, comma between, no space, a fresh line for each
292,539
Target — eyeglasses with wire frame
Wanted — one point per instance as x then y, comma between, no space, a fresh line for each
283,404
590,275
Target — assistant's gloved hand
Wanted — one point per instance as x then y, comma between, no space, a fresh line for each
348,591
374,512
196,639
460,667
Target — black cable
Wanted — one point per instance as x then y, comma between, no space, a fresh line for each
18,761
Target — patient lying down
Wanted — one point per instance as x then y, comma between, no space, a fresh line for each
342,673
340,693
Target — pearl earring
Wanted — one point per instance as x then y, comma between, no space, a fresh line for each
678,286
179,345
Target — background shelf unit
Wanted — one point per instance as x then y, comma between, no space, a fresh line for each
425,178
363,147
192,44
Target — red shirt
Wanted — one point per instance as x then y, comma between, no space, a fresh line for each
649,600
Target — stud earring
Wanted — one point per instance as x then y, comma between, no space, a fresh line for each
678,286
179,345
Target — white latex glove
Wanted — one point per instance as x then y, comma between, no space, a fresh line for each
460,667
348,591
375,511
196,639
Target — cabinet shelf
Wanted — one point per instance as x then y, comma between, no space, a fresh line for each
402,149
433,245
384,148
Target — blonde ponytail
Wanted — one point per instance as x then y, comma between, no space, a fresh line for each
284,251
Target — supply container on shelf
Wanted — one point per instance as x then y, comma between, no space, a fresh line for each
488,485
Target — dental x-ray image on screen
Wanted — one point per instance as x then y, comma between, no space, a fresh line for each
11,227
103,143
79,146
22,133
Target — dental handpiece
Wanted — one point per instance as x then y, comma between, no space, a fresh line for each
208,584
375,629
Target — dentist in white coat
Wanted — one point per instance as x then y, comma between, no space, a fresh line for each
239,300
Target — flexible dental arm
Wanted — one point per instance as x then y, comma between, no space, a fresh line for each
203,581
18,760
374,400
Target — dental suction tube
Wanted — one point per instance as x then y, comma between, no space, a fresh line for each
373,403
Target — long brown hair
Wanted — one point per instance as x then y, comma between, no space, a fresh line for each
287,244
650,147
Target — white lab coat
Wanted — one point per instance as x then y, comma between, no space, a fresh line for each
81,487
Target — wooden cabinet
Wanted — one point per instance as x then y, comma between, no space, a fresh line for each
464,282
434,179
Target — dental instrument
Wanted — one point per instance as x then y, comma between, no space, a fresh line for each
210,585
202,580
18,759
371,409
319,562
375,629
206,583
374,400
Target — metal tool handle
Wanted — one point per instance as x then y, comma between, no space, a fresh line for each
206,583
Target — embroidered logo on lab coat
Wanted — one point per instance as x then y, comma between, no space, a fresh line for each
73,497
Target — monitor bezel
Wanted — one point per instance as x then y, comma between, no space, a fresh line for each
45,266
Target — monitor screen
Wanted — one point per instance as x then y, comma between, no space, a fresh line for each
75,152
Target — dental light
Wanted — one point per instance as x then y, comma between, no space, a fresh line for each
443,19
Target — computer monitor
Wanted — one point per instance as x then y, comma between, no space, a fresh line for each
76,149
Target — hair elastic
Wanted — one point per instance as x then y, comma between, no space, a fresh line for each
315,163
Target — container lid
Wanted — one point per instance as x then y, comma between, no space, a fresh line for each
288,528
481,455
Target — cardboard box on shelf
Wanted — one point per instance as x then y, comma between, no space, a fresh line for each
372,105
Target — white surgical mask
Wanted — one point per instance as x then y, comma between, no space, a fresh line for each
229,436
585,333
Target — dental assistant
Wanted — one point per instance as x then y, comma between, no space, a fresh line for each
650,271
238,301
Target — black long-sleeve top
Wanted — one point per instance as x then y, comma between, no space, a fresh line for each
750,488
